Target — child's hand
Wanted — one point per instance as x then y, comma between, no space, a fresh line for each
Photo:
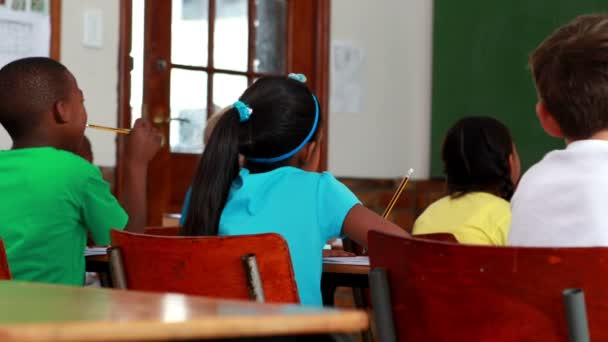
143,142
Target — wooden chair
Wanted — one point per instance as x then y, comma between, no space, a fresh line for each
207,266
5,271
162,231
446,237
446,291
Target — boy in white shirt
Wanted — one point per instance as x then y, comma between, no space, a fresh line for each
563,199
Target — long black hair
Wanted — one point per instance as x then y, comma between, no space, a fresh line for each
475,155
283,114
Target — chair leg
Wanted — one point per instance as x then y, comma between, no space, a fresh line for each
117,270
382,308
254,280
576,315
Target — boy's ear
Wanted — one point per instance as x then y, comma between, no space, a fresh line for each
61,112
547,121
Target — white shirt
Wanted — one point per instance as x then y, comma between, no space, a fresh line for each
563,199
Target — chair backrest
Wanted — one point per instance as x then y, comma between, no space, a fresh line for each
207,266
446,237
446,291
163,231
5,272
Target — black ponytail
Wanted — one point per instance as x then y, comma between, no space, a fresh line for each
283,114
475,155
216,171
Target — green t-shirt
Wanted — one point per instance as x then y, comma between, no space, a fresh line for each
49,200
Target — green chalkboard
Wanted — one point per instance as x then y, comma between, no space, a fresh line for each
480,54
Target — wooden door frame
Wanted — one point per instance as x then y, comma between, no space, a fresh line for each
318,50
125,65
55,16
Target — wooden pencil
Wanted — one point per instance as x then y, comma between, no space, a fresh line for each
111,129
397,194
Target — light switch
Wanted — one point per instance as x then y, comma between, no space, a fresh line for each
92,34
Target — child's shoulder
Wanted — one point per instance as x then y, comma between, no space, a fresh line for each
290,172
306,181
324,177
67,161
58,163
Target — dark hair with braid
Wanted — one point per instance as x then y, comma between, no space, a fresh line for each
476,155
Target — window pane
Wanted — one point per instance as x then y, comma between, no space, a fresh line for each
231,35
227,89
190,32
188,110
137,53
271,36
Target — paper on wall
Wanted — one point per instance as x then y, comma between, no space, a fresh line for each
346,74
23,34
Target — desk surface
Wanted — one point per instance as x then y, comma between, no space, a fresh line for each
327,267
36,312
345,269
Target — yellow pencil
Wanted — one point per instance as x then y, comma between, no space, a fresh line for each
397,194
111,129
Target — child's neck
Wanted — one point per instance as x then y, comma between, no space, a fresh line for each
38,139
601,135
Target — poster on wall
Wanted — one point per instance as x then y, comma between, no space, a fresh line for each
346,72
25,29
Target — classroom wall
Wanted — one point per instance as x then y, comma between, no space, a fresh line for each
392,132
388,136
96,70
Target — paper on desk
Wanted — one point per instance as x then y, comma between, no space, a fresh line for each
358,260
90,251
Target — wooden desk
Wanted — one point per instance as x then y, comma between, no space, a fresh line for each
37,312
346,275
345,269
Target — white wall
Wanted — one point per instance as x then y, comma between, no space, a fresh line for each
392,133
96,71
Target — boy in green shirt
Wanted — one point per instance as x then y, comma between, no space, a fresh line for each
50,197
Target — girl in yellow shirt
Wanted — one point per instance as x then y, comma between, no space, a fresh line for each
482,167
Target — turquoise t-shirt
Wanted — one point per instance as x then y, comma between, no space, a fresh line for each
49,200
306,208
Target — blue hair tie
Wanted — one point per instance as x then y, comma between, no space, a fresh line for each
295,150
298,77
244,110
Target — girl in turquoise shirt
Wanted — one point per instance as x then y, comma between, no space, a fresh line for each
275,126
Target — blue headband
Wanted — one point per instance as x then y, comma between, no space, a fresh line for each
295,150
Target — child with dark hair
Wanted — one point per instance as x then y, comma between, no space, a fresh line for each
482,168
50,197
275,126
561,201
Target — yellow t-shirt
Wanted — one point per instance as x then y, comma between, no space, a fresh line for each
477,218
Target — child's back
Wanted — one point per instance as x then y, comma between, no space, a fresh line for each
562,200
306,208
45,196
478,218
